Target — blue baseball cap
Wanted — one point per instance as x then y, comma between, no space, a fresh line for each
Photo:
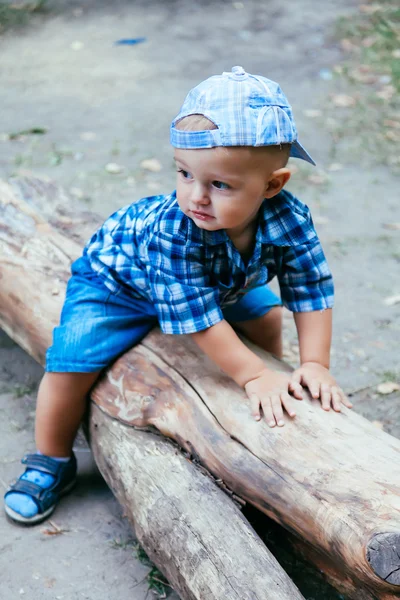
248,110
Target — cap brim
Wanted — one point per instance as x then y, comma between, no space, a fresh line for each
297,151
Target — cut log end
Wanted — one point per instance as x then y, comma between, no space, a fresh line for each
383,554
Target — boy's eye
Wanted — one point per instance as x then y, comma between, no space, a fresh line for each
185,174
220,185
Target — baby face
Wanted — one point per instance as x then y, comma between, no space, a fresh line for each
223,188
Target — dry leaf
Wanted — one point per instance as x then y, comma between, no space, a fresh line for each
318,220
369,41
387,92
370,9
391,123
387,388
392,300
343,101
312,113
55,531
393,136
393,226
378,424
348,46
317,179
151,164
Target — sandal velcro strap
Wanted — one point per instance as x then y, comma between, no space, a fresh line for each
42,463
28,487
45,498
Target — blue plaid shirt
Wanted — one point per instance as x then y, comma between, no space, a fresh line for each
156,252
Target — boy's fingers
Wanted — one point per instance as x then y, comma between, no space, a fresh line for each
277,408
255,407
314,388
336,399
268,412
345,399
287,403
296,377
325,396
296,389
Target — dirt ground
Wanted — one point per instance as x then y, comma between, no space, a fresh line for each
102,103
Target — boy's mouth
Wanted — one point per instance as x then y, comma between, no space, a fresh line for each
202,216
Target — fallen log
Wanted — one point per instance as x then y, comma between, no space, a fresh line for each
189,527
332,480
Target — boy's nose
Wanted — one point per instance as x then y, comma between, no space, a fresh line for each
200,195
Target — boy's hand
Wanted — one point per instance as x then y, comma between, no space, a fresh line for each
322,385
270,390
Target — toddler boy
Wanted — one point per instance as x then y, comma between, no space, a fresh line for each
197,262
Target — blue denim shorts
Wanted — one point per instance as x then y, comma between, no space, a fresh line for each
97,325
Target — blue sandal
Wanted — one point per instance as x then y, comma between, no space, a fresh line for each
45,498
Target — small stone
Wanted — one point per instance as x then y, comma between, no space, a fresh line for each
77,192
77,45
238,5
88,136
387,388
317,179
392,226
78,156
392,300
131,181
154,186
396,53
335,167
343,101
378,424
114,168
4,137
151,164
55,291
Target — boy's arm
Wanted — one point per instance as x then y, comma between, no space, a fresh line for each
266,388
225,348
314,331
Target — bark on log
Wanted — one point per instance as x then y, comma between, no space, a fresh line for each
332,480
188,526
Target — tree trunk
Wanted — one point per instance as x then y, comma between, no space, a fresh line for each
190,528
333,480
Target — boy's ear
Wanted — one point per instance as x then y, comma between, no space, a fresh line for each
277,180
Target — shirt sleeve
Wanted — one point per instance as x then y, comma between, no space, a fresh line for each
304,277
183,298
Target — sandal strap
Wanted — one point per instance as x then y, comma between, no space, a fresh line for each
29,488
42,463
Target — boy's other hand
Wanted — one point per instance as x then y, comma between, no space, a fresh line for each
270,390
322,385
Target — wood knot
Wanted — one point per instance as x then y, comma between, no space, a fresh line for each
383,554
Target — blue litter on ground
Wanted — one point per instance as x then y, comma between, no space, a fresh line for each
130,41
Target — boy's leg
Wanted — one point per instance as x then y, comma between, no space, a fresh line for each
264,331
61,404
96,326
